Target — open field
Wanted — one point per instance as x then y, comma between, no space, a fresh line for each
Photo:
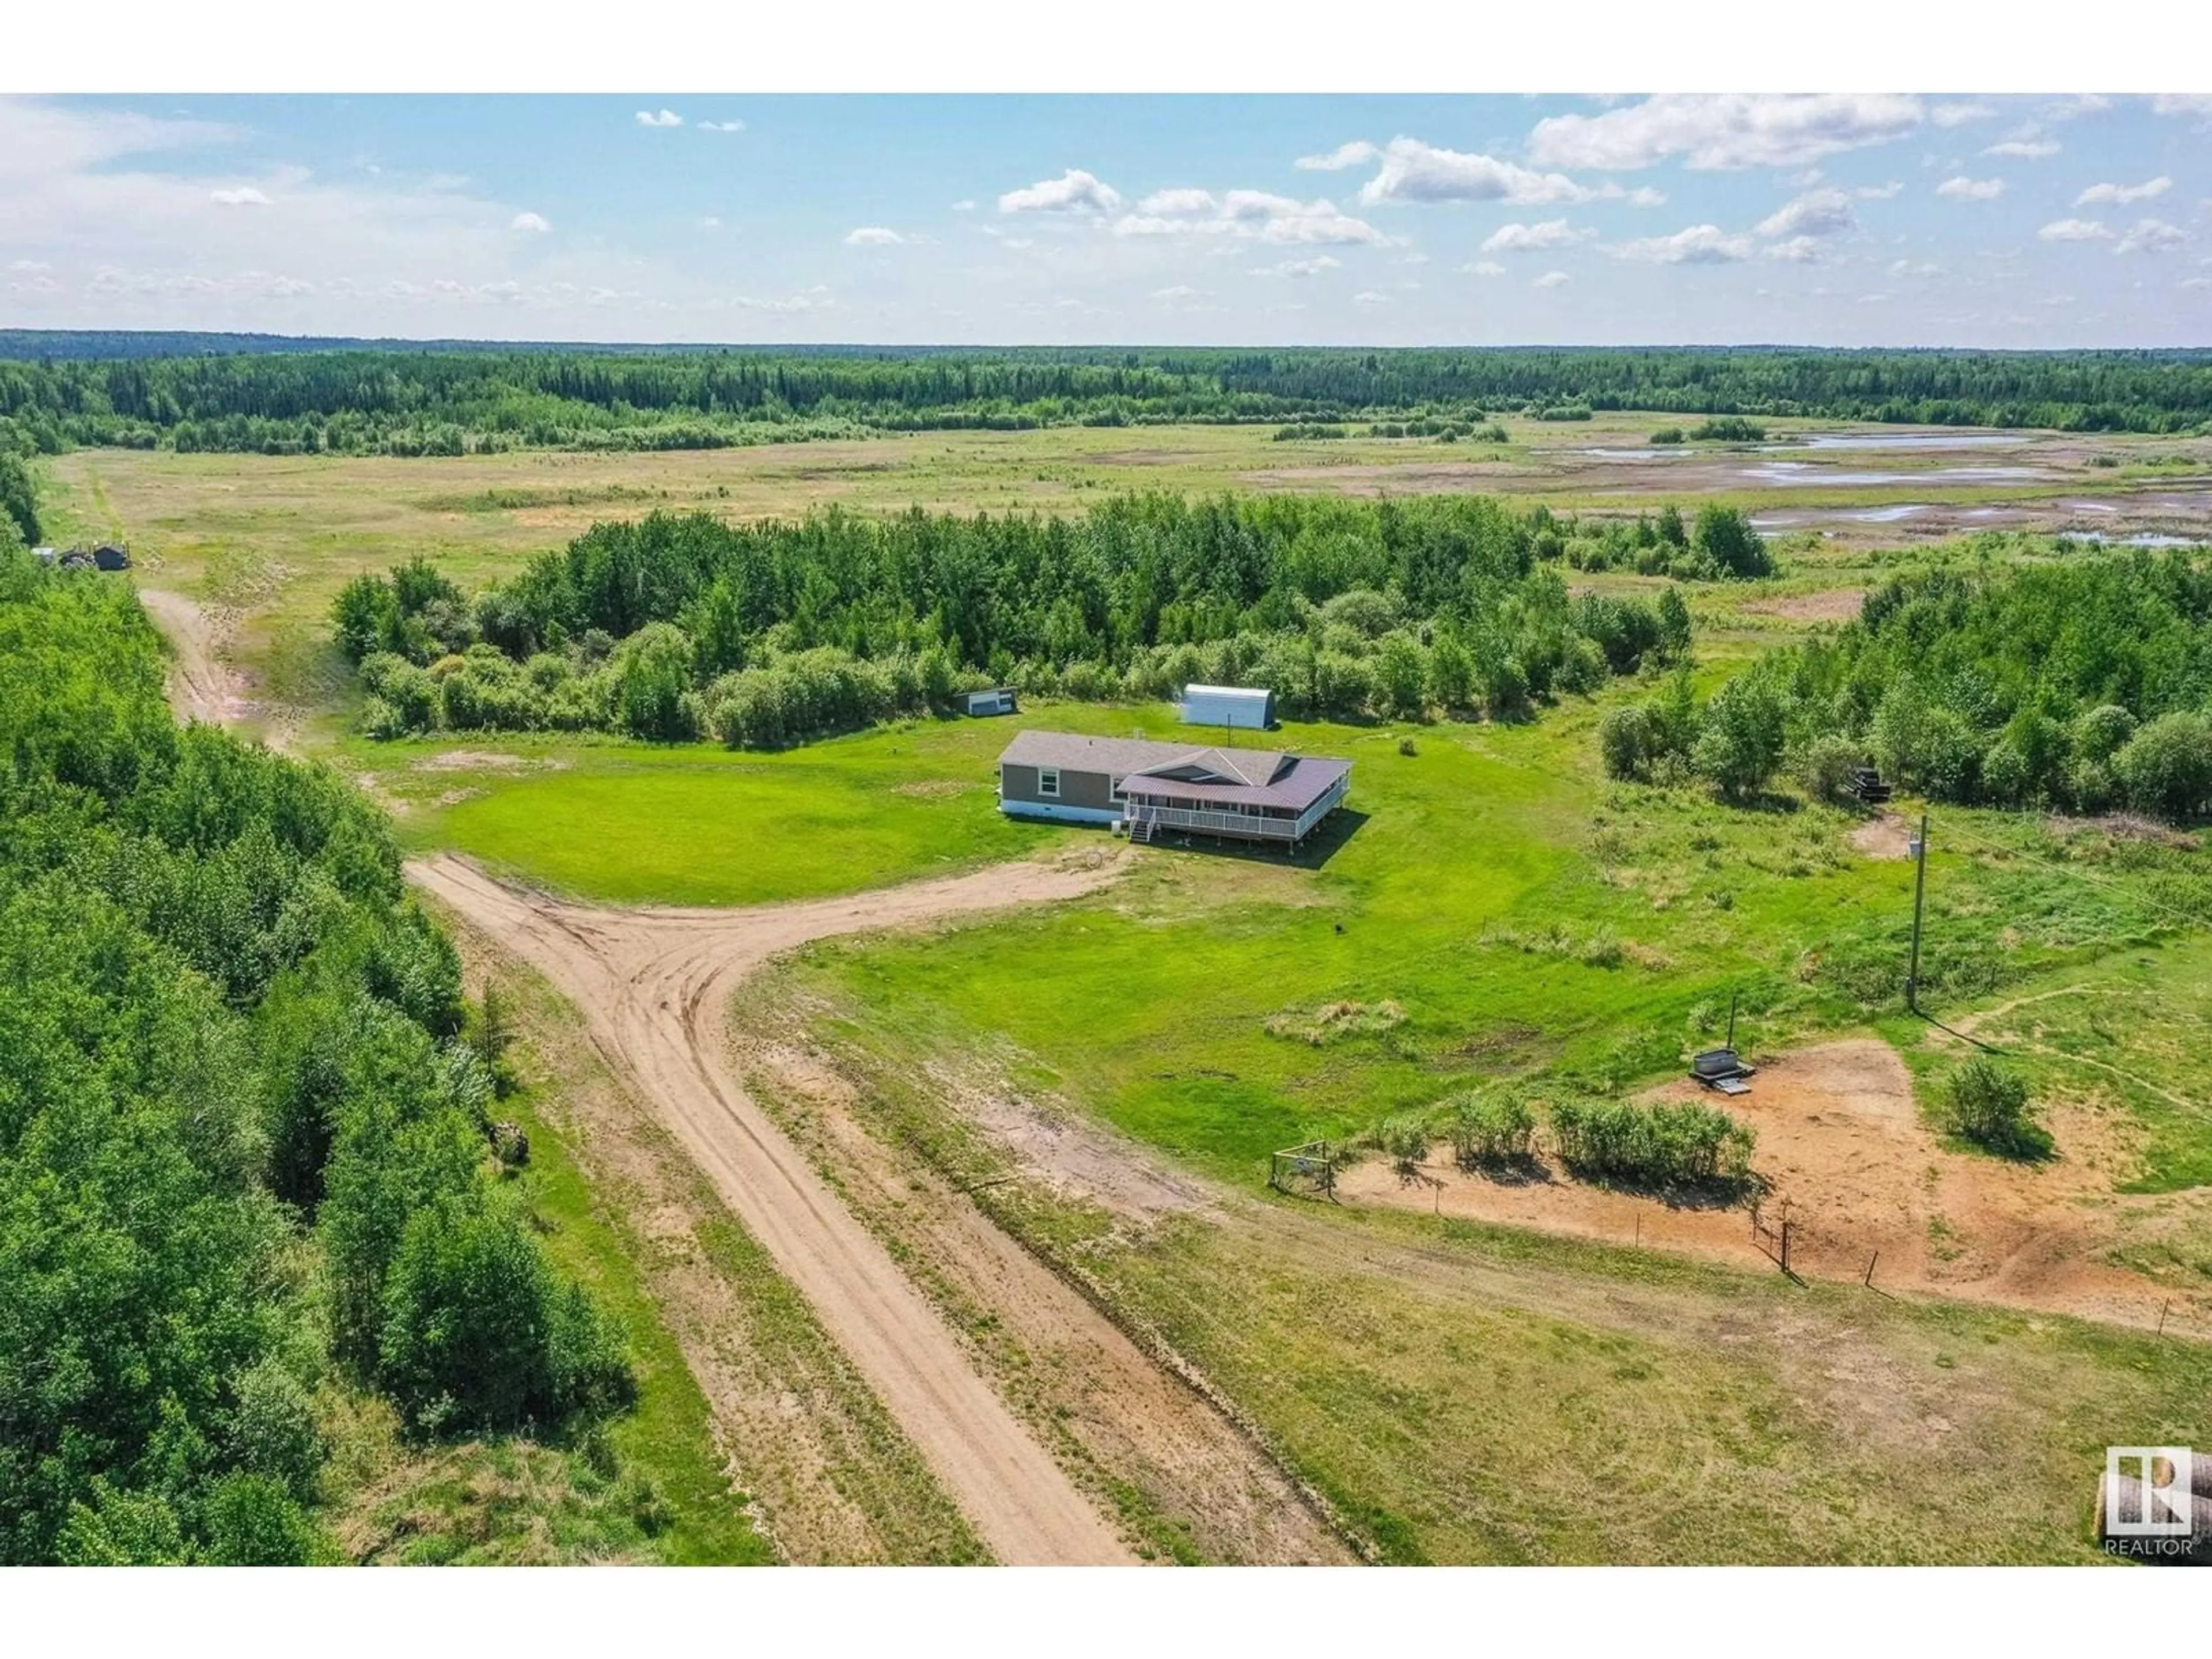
264,543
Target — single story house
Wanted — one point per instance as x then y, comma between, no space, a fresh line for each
999,700
1142,787
1246,707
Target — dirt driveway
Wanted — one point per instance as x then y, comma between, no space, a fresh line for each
652,985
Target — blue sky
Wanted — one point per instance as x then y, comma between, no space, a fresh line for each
1830,219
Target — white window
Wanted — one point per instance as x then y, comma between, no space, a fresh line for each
1114,792
1048,782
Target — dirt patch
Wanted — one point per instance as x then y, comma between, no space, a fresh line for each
1142,458
933,788
1889,836
480,760
1836,604
455,797
2125,826
1862,1180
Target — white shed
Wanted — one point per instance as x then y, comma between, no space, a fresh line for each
1228,705
997,700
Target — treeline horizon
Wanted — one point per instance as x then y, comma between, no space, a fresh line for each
236,393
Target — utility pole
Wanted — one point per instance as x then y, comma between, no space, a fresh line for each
1919,898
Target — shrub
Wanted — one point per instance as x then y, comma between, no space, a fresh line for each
479,1333
1667,435
1669,1144
1988,1105
2166,767
1404,1140
1492,1128
1724,535
1629,740
1828,770
1740,740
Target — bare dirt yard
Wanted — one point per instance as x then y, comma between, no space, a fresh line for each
1864,1181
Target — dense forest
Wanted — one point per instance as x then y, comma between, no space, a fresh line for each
675,627
245,1146
428,400
2085,685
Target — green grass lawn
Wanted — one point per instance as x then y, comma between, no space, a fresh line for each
1516,913
699,825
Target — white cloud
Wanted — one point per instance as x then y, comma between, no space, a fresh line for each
1358,153
1179,291
967,206
1252,214
1972,190
1725,130
1699,244
710,222
1908,268
1415,171
1192,202
2196,281
1484,268
1530,238
243,195
2142,192
666,118
1881,192
1797,251
1073,192
1958,115
2026,150
2182,103
732,126
1551,279
2074,230
536,223
1368,297
1312,267
873,236
1826,212
2152,236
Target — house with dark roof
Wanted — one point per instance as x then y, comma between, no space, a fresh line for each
1144,789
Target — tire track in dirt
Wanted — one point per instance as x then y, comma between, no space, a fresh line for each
201,687
651,985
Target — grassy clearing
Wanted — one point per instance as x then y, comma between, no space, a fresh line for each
698,825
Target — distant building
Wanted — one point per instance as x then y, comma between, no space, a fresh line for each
1143,788
108,556
1243,706
999,700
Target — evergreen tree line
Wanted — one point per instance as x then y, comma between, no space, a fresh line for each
2084,685
245,1119
450,399
674,627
